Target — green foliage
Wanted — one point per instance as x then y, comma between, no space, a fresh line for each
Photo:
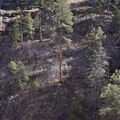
96,53
97,73
117,17
99,6
20,73
116,77
79,109
36,84
16,31
99,65
95,38
28,25
68,40
111,96
36,20
21,4
62,16
45,3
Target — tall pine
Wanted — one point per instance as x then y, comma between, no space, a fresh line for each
98,69
21,6
62,21
16,31
111,97
28,25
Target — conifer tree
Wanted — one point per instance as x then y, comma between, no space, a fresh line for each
79,110
28,25
98,70
117,17
40,5
101,6
62,21
95,37
16,31
62,16
111,96
21,6
20,73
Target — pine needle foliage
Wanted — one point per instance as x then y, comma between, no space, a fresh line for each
20,73
36,84
28,25
98,65
111,96
62,15
116,77
16,31
117,17
95,38
79,108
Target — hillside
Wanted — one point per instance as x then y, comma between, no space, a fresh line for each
61,65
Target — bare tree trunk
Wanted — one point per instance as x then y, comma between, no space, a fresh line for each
40,28
60,52
21,24
86,21
107,19
21,30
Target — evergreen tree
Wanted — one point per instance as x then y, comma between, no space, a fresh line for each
79,108
117,17
104,5
28,25
96,37
21,6
62,21
116,77
99,8
40,5
20,73
98,64
43,5
36,21
62,16
16,31
111,96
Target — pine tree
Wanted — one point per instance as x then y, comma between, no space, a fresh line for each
98,70
21,6
101,6
62,16
116,77
111,96
20,73
95,37
16,31
28,25
117,17
79,108
62,21
43,6
40,5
